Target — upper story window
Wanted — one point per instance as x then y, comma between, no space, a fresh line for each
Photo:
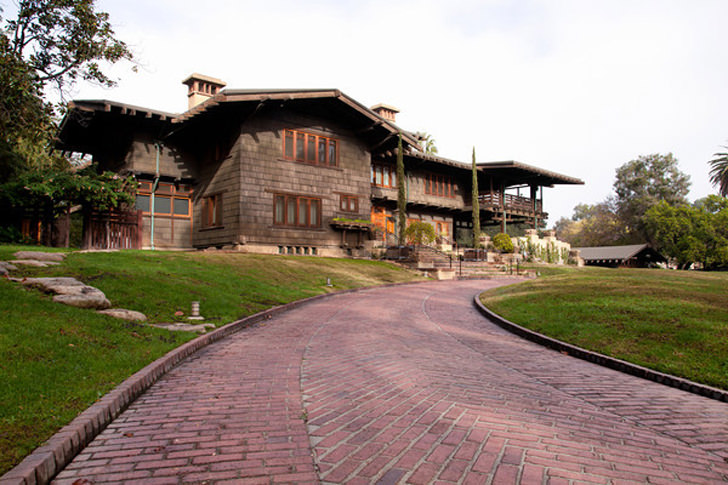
169,199
296,210
309,148
384,175
348,203
440,185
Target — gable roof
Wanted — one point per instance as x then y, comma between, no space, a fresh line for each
375,130
614,253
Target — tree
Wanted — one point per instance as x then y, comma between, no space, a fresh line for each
476,205
51,42
50,192
719,172
640,184
689,234
401,193
592,225
64,40
427,142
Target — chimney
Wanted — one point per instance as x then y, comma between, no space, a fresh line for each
386,111
201,88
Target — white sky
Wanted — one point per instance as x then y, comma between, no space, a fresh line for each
578,87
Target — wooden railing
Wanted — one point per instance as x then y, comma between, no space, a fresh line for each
113,230
512,202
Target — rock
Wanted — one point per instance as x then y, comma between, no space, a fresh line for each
34,262
95,301
70,291
50,285
185,327
7,266
40,256
124,314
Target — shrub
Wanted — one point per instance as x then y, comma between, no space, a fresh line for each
419,233
503,243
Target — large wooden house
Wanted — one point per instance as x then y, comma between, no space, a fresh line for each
287,171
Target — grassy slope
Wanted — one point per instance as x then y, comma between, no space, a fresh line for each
670,321
57,360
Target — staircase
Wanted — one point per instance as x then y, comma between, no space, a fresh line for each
440,265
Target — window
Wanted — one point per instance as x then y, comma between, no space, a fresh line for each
170,200
349,203
309,148
384,175
296,210
212,211
440,185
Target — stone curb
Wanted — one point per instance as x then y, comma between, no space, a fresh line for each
603,360
46,461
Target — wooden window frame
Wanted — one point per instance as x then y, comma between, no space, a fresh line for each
212,211
388,175
167,190
305,147
348,203
301,202
439,185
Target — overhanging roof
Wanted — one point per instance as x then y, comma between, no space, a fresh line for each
330,103
522,173
614,253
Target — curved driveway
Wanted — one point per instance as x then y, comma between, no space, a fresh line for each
408,384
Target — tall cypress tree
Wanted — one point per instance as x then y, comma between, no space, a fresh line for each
401,193
476,206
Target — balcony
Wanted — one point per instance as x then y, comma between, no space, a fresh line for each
514,204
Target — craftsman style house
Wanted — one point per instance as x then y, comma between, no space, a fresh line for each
287,171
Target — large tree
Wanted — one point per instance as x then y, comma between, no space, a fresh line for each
640,184
50,43
592,225
691,233
719,172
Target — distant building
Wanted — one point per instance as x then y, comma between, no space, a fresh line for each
632,256
291,171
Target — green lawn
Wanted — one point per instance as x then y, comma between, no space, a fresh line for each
671,321
57,360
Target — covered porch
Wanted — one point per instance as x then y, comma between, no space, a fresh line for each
498,204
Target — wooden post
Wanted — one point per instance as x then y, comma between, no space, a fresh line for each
534,194
139,227
503,206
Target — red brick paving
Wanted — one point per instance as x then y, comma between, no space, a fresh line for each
403,385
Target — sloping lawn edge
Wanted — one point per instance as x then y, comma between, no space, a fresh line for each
600,359
46,461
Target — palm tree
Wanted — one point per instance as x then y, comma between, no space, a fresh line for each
719,172
427,142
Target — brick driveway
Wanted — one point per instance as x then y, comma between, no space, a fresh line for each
403,385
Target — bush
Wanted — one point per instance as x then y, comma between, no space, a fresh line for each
419,233
503,243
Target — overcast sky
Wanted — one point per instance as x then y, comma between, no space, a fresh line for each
578,87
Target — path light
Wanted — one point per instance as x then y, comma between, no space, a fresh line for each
195,312
328,282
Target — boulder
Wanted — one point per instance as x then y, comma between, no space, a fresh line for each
6,266
50,285
70,291
40,256
34,262
124,314
95,301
